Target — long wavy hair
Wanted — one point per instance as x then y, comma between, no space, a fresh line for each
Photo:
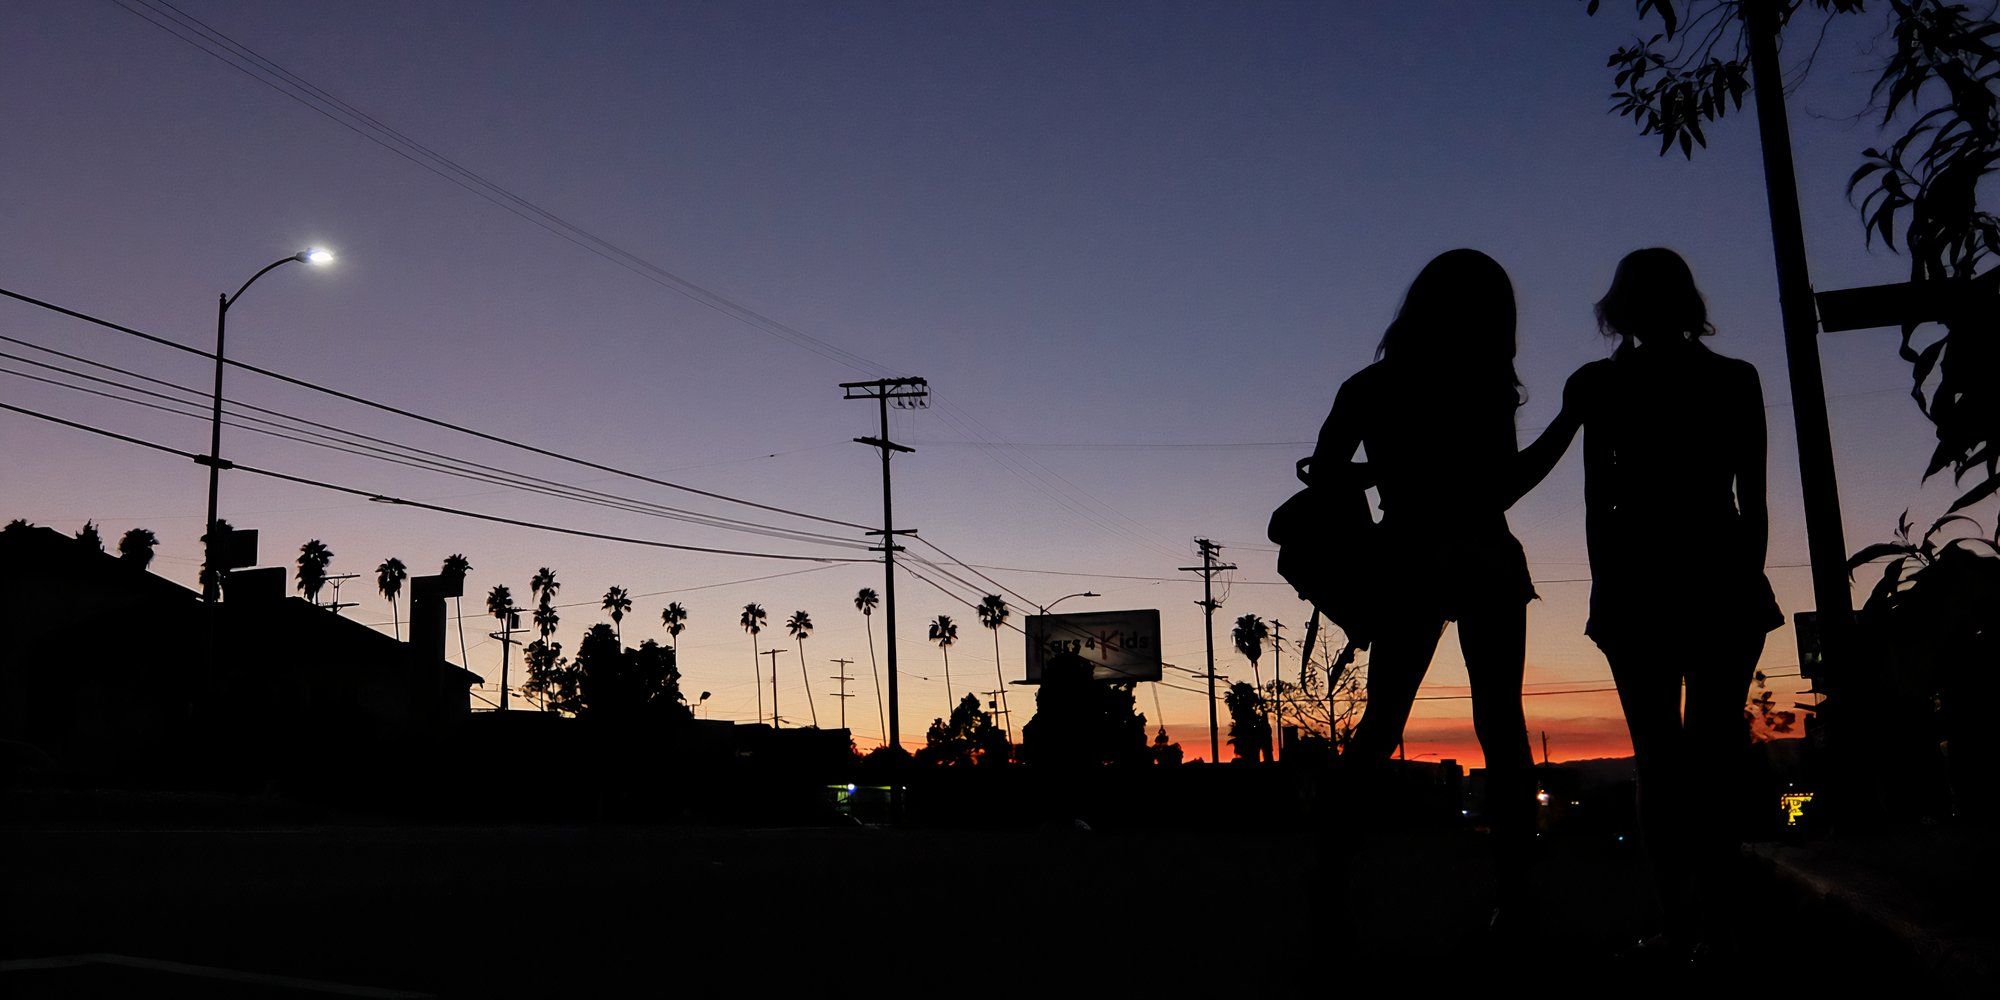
1653,297
1457,324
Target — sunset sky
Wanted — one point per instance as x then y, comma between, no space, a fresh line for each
1133,247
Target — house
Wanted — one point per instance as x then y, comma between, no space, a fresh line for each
112,670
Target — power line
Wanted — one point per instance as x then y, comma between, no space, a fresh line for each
202,36
1524,694
434,421
422,505
1017,594
515,480
254,65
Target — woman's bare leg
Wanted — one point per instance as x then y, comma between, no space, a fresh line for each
1716,735
1494,641
1397,662
1649,689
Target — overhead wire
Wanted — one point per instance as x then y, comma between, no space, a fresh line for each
206,38
434,421
961,563
249,62
420,504
443,464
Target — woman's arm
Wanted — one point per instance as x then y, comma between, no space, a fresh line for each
1339,438
1532,464
1747,459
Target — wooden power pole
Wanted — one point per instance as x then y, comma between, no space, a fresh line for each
905,392
1208,568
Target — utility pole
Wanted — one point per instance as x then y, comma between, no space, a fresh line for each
993,705
1277,687
1208,568
843,695
1818,487
773,654
335,605
506,639
905,392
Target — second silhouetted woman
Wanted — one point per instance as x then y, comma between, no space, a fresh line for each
1675,518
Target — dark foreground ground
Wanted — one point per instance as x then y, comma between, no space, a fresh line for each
609,910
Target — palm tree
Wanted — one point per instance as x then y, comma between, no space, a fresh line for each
865,601
314,557
544,586
456,566
800,625
137,547
500,604
993,613
541,656
674,617
944,632
1249,635
618,602
752,621
389,579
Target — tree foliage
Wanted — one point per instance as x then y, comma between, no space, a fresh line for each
1249,725
613,682
1079,721
136,547
969,737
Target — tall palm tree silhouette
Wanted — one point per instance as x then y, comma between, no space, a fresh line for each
389,577
314,557
993,613
674,617
1249,635
752,621
500,604
456,566
944,632
865,601
543,585
136,547
617,602
800,625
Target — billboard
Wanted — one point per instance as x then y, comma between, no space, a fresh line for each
1119,645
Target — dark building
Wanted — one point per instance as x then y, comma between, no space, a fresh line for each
111,669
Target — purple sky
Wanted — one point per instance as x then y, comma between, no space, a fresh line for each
1118,239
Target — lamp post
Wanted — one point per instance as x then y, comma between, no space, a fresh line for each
1045,608
313,255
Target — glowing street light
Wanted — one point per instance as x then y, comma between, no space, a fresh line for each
311,255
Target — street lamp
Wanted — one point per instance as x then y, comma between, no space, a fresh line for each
310,255
1045,608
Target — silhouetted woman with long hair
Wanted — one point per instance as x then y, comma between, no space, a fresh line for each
1673,458
1435,413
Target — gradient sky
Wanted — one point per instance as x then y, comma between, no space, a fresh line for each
1138,244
